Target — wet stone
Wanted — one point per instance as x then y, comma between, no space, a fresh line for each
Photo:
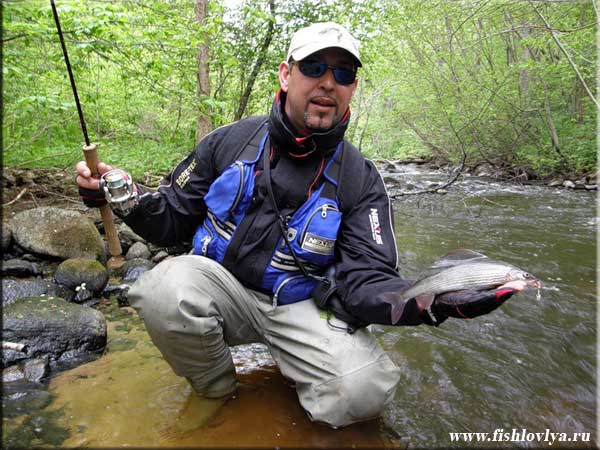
160,256
29,257
127,236
83,296
134,268
386,166
36,369
15,289
391,181
13,373
119,292
138,250
19,268
85,274
52,328
20,398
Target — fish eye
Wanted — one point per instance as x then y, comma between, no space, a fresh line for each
527,275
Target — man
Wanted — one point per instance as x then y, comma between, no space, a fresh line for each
293,246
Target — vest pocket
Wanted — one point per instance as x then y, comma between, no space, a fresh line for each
291,289
316,241
226,191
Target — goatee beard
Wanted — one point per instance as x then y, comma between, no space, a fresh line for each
320,125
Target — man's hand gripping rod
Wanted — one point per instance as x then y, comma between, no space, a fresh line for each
91,158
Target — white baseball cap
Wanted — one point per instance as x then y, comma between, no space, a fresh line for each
318,36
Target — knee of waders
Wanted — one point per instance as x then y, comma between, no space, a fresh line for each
157,291
357,396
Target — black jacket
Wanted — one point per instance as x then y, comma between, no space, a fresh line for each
366,256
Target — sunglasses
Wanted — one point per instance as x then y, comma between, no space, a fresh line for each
314,69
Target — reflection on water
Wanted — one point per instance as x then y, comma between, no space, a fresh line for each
529,365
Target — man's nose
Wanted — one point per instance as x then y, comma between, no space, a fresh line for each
327,81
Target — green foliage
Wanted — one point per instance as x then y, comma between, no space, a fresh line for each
481,80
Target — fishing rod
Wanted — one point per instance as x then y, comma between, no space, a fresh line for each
91,158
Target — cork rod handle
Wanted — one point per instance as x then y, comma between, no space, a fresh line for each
112,237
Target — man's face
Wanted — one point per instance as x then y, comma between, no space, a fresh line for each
316,103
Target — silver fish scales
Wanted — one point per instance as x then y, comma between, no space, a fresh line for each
459,270
476,276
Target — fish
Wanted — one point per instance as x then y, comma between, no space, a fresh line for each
458,270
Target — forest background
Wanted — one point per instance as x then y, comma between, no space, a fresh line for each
511,84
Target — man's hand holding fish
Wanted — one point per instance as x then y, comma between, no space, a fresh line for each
465,284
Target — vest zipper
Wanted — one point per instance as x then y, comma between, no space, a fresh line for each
323,209
240,166
206,241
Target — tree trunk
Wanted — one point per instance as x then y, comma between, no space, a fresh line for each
508,38
578,90
262,54
204,124
524,75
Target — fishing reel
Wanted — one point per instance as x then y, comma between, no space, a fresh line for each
119,191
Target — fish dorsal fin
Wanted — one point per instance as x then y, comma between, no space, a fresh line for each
458,256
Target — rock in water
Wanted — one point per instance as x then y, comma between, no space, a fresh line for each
138,250
127,236
52,327
15,289
134,268
57,232
31,370
75,272
19,268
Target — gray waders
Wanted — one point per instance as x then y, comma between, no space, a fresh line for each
194,310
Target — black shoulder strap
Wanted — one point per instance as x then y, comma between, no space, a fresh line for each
246,131
347,170
332,172
249,151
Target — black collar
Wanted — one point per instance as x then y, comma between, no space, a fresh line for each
284,136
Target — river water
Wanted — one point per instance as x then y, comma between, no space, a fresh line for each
530,365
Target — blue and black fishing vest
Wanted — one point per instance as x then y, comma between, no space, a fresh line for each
311,231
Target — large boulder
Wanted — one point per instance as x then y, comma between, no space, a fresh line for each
57,232
81,272
52,328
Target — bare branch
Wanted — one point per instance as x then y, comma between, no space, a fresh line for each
581,80
17,198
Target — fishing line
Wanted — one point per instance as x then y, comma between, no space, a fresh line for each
73,87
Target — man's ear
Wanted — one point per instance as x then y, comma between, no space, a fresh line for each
284,75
